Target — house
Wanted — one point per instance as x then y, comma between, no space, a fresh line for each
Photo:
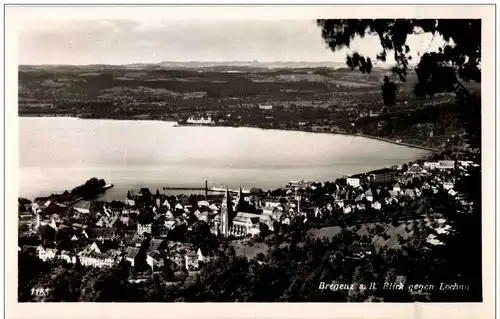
265,107
46,254
170,224
202,216
341,193
106,221
169,215
339,203
67,256
191,261
431,165
384,175
415,169
25,219
359,198
394,193
144,228
136,240
78,235
465,163
205,255
267,220
129,202
35,208
127,221
446,165
96,233
396,187
448,185
347,209
156,259
369,195
54,208
155,245
82,206
131,255
352,181
376,205
99,254
203,203
286,220
272,204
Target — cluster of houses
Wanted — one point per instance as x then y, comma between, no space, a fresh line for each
390,186
139,230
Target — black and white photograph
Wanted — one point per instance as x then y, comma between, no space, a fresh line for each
178,159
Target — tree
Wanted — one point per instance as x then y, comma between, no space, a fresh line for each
461,53
47,233
436,71
389,92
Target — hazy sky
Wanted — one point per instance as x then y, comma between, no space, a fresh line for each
145,41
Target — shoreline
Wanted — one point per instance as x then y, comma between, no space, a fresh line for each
176,124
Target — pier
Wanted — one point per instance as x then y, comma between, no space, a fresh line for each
205,189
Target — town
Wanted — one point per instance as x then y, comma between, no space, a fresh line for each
177,236
325,237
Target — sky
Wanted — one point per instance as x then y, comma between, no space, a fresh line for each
142,40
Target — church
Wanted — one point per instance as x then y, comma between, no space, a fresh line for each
233,223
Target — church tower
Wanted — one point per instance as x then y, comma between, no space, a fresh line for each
225,212
240,200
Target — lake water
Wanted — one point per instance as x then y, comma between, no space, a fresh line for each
60,153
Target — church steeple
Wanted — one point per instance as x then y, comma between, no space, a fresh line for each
225,213
240,200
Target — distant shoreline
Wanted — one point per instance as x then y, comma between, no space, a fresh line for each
176,124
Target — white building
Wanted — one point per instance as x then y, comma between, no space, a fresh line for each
144,228
265,107
446,164
431,165
272,205
46,253
94,257
352,181
244,224
376,205
199,120
82,207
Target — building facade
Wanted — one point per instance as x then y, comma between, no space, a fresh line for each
382,176
352,181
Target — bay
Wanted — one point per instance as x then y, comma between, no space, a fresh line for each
56,154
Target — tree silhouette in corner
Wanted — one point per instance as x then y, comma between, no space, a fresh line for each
459,59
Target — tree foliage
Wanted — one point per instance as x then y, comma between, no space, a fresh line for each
436,70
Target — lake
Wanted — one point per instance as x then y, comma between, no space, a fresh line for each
60,153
